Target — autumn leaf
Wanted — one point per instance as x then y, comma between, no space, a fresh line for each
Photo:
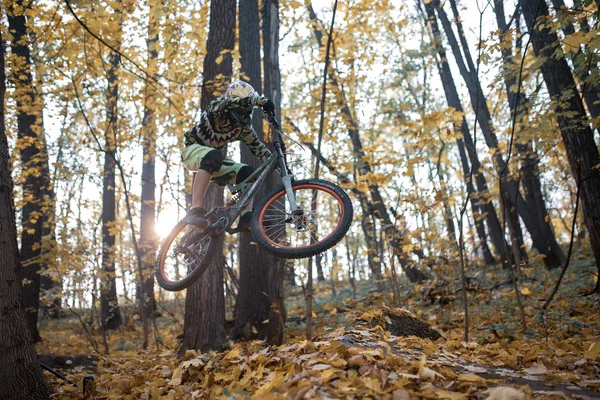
573,41
235,353
470,378
593,352
505,393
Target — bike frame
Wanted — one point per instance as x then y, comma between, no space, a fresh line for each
248,188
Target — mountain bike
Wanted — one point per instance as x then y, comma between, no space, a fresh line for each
298,219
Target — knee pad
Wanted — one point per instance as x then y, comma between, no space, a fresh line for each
212,161
244,173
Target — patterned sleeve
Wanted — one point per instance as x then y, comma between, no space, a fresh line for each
224,104
258,148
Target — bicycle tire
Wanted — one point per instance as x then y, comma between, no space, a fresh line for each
200,263
261,220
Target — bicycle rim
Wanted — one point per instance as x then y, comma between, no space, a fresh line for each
324,213
183,257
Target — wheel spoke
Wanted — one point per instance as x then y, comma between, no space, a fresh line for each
320,219
187,250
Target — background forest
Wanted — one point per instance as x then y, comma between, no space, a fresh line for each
465,132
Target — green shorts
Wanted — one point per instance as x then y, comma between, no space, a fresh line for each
193,154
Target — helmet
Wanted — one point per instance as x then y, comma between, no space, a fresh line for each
239,89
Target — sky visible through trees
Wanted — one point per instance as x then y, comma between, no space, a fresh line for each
383,70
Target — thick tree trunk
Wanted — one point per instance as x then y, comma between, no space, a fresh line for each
109,303
22,376
29,128
272,88
252,302
204,321
577,135
512,197
148,240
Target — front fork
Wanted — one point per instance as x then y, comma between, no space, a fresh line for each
286,178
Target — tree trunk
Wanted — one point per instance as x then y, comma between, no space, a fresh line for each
512,197
50,284
109,303
583,61
448,216
508,186
204,321
479,205
22,376
272,88
148,240
373,258
532,187
252,302
577,135
28,141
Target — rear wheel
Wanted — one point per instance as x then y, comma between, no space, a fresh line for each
184,256
325,219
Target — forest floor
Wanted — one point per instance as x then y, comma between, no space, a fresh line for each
355,352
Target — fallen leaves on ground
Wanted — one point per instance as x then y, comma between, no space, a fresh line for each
355,355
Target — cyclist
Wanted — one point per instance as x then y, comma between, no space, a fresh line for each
226,119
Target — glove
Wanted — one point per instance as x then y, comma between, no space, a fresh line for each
268,106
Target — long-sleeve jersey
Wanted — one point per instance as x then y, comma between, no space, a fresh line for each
225,120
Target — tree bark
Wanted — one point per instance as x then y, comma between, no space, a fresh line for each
272,88
28,141
532,187
512,197
50,284
109,303
583,62
22,376
252,302
578,138
148,239
448,217
204,321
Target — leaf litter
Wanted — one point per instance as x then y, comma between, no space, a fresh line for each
356,354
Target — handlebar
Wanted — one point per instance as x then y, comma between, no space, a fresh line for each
270,116
272,120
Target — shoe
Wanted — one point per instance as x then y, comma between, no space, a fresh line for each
196,217
245,222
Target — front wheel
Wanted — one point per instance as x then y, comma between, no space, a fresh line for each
184,256
325,218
